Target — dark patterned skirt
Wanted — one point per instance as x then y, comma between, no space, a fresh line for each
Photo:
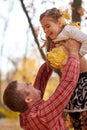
78,100
77,106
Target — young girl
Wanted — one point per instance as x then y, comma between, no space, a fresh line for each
56,30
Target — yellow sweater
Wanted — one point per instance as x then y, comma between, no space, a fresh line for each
57,57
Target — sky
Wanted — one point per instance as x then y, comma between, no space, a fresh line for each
14,22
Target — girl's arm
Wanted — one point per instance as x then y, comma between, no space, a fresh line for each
73,32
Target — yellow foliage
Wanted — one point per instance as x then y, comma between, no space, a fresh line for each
57,57
77,24
51,86
81,11
8,113
66,14
68,122
27,71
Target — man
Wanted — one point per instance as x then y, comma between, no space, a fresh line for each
35,113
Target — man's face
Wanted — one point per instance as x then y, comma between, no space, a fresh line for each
33,93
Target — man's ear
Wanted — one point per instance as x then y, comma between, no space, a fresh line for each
28,99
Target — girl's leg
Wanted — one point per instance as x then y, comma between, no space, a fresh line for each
79,120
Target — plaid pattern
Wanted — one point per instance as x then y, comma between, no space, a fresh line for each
47,115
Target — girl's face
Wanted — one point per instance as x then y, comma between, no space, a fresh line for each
50,27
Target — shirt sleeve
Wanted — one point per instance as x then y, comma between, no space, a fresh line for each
55,105
42,77
73,32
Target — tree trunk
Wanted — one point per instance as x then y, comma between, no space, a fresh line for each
75,7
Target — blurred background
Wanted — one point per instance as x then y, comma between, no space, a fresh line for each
20,45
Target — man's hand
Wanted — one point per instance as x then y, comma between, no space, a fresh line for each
72,46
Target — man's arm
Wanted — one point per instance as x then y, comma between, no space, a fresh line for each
56,104
42,77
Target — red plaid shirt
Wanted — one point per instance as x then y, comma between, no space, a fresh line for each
47,115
